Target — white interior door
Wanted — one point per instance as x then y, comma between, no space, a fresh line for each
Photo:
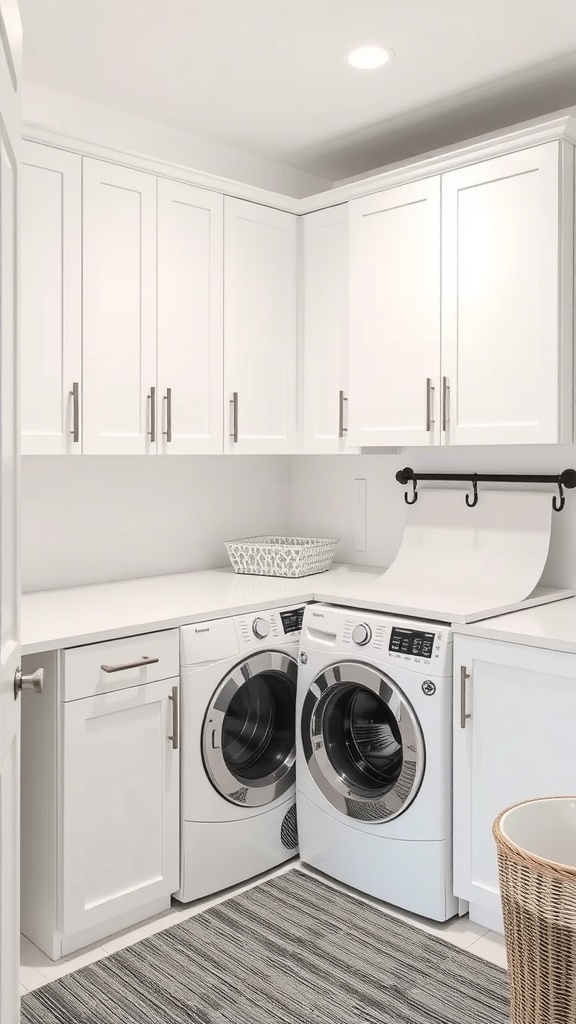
260,297
120,815
395,316
325,343
190,297
507,268
119,315
10,57
51,300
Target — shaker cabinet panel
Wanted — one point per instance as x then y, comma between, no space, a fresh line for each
190,341
324,384
514,713
260,298
395,316
507,267
120,813
119,315
50,300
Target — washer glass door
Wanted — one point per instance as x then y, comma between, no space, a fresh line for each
248,738
362,742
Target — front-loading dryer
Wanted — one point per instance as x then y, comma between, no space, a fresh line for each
237,769
374,760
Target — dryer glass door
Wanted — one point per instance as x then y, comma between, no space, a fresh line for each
248,739
362,742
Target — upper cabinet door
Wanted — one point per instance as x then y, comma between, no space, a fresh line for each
51,300
259,328
324,382
507,299
119,247
395,316
190,340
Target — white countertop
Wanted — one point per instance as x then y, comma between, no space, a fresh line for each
551,625
53,619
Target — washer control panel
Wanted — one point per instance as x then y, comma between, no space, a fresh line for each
269,627
411,641
261,628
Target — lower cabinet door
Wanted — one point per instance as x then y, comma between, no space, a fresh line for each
120,808
514,717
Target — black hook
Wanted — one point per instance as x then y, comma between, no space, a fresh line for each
414,498
558,506
474,502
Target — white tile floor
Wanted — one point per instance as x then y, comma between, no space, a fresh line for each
37,969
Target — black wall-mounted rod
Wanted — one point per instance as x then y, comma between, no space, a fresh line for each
565,479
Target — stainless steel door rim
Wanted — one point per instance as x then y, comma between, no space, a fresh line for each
248,736
362,742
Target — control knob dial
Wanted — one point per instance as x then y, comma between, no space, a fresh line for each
261,628
361,634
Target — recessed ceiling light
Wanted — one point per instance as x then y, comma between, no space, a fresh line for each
369,58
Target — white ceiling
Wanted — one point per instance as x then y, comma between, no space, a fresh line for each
269,76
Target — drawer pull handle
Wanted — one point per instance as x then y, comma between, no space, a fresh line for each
342,404
175,717
75,394
143,661
234,424
168,399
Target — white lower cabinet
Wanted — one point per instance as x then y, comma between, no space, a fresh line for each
100,793
516,744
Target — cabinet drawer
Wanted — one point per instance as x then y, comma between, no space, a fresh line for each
115,664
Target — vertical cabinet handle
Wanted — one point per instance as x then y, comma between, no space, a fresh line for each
175,717
168,399
152,400
445,403
429,405
75,412
234,417
464,676
342,426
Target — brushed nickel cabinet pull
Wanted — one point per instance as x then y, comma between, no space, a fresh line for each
234,407
75,411
342,428
464,676
429,404
35,681
152,400
175,718
445,403
168,400
140,663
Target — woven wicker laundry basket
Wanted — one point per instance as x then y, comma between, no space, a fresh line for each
536,844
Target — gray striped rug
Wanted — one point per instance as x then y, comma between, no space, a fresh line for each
290,951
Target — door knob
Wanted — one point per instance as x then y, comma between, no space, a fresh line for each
35,681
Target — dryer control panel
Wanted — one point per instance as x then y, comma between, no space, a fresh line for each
270,627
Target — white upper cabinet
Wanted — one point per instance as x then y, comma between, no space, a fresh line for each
507,268
50,300
260,294
119,315
190,339
395,316
324,384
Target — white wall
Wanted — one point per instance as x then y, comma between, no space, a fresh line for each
98,518
92,122
322,494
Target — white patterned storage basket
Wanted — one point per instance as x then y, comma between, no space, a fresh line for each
281,556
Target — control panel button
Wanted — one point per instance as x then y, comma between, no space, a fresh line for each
261,628
361,634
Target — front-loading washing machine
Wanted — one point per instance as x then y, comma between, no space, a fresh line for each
374,757
237,769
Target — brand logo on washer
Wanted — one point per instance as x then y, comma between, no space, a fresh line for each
318,615
428,687
205,629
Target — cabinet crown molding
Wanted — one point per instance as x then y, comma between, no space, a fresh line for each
484,147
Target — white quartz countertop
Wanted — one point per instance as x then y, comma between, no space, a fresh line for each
53,619
552,626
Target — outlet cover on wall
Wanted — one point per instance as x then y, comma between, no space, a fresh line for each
359,515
